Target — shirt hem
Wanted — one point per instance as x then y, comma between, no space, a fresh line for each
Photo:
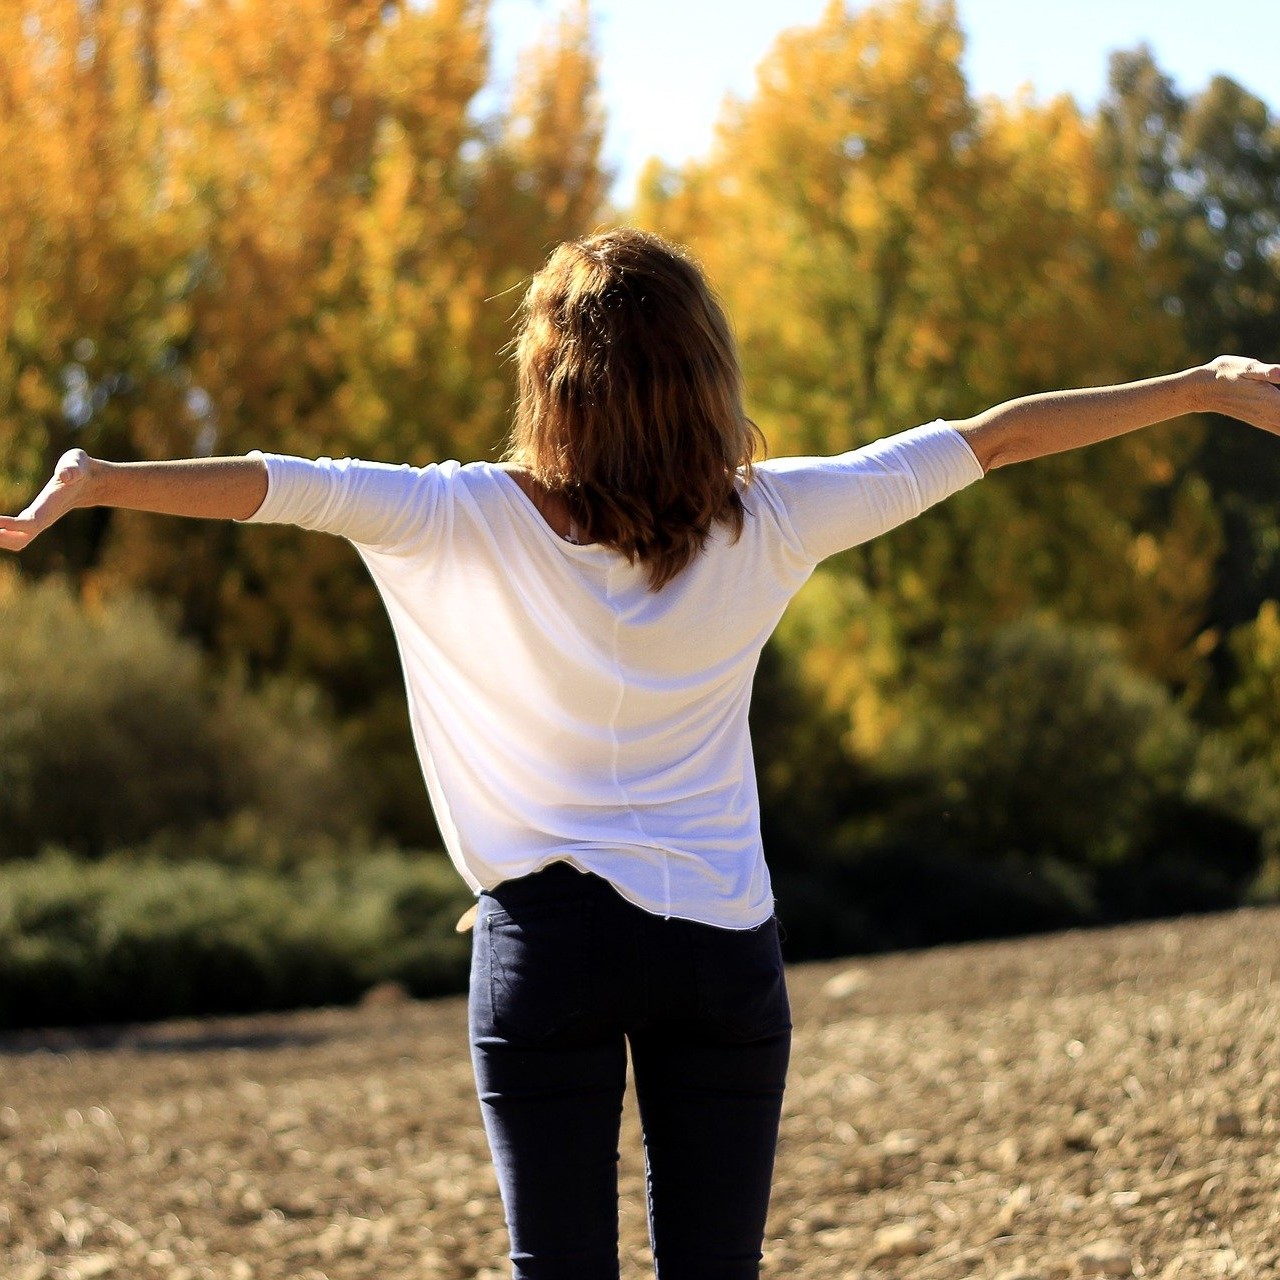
648,908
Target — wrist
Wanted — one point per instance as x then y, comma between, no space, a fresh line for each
1201,385
96,476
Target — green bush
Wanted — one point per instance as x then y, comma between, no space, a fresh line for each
124,940
1037,781
112,733
891,897
1040,748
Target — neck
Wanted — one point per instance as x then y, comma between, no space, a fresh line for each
551,506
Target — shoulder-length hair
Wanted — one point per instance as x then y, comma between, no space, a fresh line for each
629,399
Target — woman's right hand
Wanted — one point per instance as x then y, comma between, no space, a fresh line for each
1248,390
66,490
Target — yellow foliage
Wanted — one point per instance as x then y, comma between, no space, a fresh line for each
253,224
893,251
283,225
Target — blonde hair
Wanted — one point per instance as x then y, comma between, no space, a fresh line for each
629,400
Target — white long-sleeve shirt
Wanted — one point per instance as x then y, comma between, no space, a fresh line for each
564,711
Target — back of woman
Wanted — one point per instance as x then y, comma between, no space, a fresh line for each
580,625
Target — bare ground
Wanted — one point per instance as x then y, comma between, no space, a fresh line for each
1100,1103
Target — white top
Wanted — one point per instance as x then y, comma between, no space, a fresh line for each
564,711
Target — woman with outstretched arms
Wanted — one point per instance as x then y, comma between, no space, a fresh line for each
579,626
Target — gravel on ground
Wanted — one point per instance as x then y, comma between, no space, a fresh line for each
1098,1103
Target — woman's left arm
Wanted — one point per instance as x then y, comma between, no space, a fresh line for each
1055,421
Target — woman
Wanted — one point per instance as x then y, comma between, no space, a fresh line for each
579,627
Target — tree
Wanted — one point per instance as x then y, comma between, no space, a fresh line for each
85,263
892,252
1200,175
275,226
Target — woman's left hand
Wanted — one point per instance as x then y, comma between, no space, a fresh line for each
66,490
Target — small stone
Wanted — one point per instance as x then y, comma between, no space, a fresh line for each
826,1214
1227,1124
92,1267
1018,1202
1105,1258
1080,1132
1007,1153
1047,1141
902,1240
845,983
836,1240
903,1142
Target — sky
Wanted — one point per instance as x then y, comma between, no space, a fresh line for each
666,65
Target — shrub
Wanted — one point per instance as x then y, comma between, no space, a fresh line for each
126,939
113,733
1040,747
1029,779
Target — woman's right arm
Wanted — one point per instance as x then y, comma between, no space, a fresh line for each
1054,421
208,488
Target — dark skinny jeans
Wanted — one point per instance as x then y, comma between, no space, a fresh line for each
565,975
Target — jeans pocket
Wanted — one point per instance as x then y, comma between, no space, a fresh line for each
538,963
742,982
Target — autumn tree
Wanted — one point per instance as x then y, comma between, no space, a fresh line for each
893,251
273,226
86,266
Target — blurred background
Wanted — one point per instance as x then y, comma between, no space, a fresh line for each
304,228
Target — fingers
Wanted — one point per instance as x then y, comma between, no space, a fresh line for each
15,532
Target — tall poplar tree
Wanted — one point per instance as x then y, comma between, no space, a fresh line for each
285,226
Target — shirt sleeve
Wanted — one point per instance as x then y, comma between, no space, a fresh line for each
387,508
838,502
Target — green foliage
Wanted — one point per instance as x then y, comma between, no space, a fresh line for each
1254,731
126,939
1041,748
1036,780
1200,175
1255,699
113,733
1042,743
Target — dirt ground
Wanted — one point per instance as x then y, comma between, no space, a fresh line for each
1100,1103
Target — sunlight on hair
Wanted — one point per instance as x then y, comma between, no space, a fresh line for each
630,398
